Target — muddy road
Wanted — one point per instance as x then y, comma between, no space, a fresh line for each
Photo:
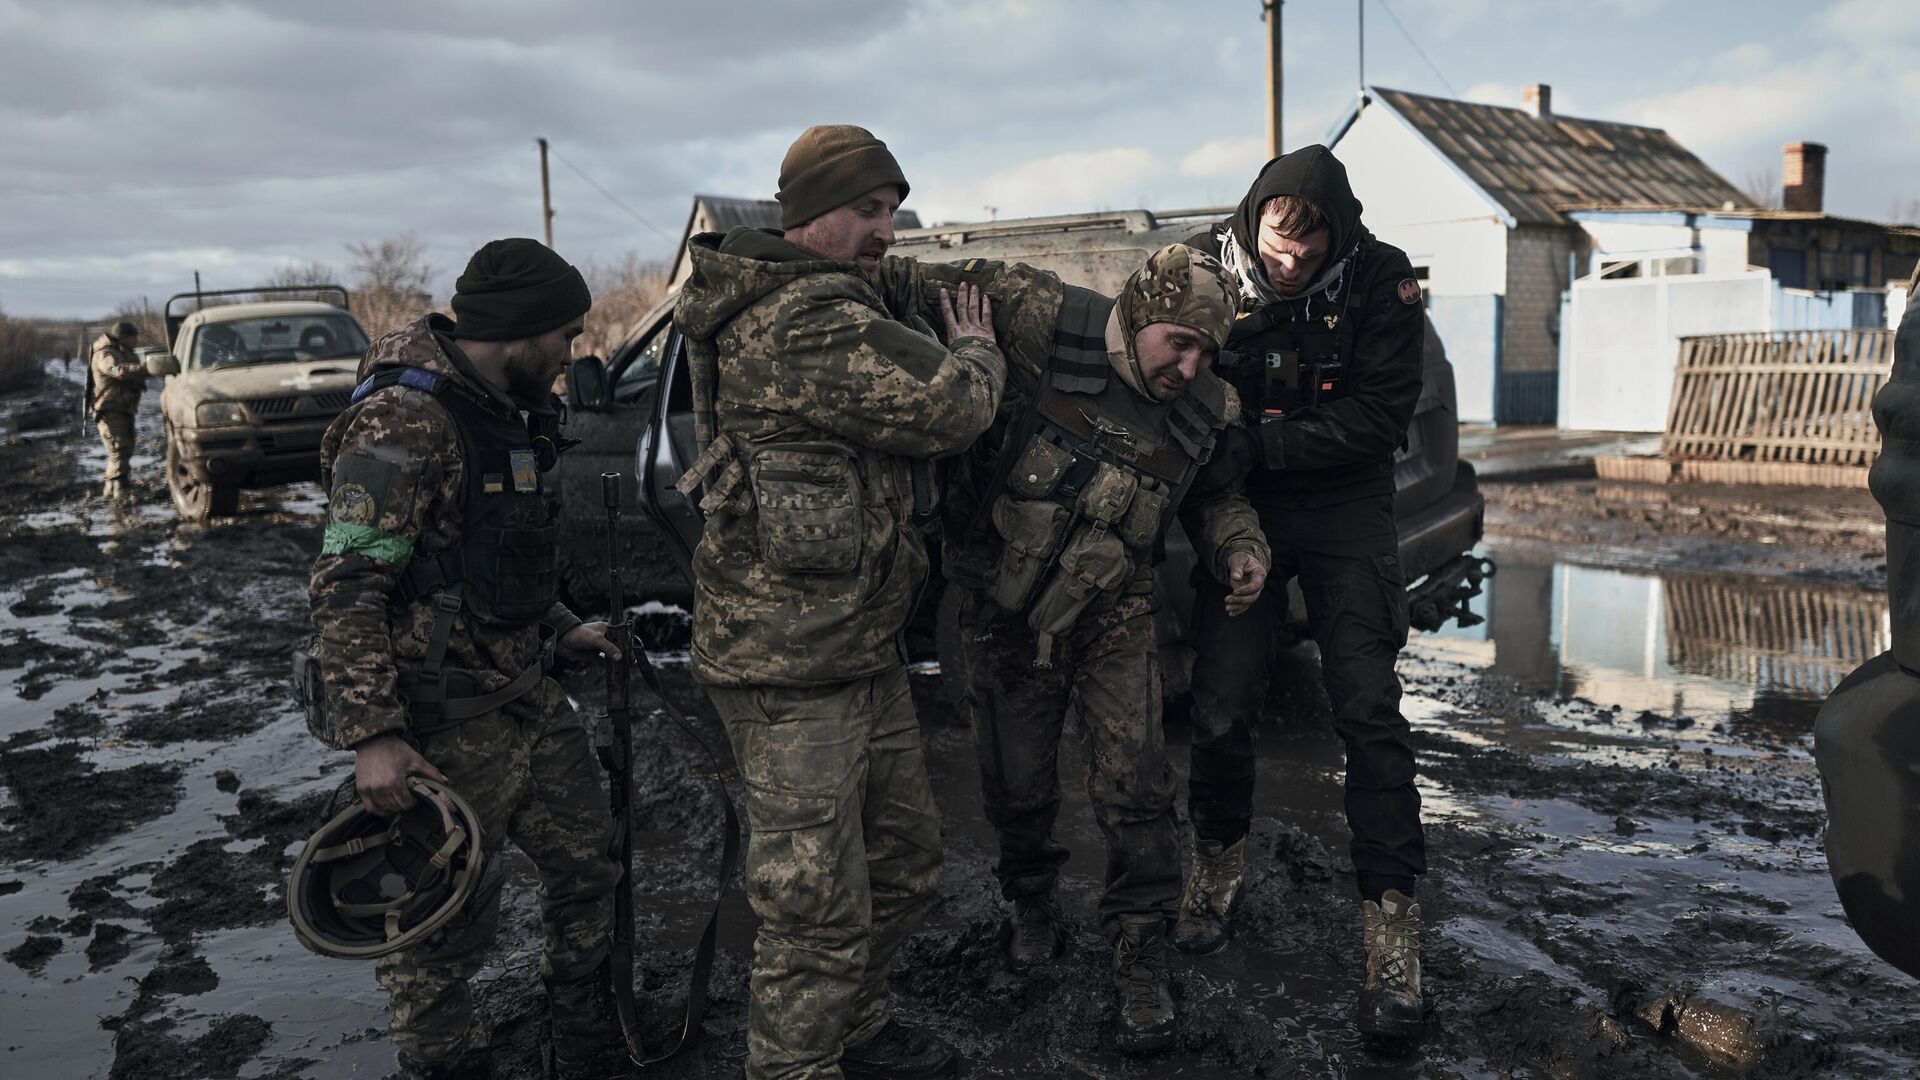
1623,829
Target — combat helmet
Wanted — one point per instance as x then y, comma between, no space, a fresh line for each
366,885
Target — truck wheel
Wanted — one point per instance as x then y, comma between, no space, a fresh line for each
195,500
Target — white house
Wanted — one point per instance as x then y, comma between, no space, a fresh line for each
1564,258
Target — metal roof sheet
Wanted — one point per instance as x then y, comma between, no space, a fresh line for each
1534,166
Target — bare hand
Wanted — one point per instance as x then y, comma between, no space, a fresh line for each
974,317
1246,577
381,766
589,637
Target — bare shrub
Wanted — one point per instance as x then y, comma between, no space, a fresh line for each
21,345
623,291
301,275
389,282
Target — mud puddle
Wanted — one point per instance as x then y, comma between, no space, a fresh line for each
1623,837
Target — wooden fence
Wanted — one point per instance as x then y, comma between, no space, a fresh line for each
1793,403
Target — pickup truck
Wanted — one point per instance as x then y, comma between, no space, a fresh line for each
643,390
250,389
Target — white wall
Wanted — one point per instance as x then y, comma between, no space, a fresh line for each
1625,339
1414,200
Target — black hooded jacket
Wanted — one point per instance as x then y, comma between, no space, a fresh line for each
1343,449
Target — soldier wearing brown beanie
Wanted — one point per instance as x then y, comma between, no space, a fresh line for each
819,411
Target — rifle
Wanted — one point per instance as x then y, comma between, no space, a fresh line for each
616,753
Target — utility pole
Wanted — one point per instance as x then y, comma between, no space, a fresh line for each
1271,8
546,194
1362,5
196,290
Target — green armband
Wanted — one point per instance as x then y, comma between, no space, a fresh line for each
344,539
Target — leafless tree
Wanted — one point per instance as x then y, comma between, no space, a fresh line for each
623,291
1763,187
21,345
389,282
298,275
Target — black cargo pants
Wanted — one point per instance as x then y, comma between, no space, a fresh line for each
1347,557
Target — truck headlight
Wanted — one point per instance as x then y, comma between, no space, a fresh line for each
215,413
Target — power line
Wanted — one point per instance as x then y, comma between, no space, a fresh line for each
610,197
1417,49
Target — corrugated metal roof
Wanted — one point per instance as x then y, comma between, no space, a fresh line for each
725,212
1535,167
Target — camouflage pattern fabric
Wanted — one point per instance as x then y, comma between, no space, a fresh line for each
116,431
118,378
394,478
1108,669
842,864
529,773
804,351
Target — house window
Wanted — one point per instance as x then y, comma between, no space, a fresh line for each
1842,269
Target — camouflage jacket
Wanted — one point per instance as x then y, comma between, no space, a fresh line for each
118,377
367,634
1215,512
822,401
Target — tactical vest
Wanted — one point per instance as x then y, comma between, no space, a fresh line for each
505,568
1281,364
1088,480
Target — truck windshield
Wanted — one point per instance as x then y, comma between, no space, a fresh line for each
276,339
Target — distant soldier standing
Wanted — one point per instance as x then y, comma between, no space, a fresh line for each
818,411
435,599
118,379
1112,425
1331,328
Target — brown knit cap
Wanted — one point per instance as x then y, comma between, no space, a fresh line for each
830,165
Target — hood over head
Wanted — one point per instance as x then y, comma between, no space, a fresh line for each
731,272
1312,173
1178,284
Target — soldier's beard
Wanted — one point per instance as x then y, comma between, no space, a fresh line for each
530,374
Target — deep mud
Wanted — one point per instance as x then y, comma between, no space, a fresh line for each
1626,878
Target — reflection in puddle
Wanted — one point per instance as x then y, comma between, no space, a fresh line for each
1763,650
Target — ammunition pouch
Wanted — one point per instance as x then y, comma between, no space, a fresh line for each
719,475
1094,562
808,497
1030,532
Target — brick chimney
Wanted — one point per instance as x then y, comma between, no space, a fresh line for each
1539,99
1804,180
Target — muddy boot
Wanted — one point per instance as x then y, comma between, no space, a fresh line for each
1033,935
110,491
1212,890
471,1065
586,1029
899,1051
1140,985
1390,1006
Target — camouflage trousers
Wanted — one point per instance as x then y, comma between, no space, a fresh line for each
116,431
530,773
842,863
1107,668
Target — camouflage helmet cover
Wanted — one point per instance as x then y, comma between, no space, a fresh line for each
1178,284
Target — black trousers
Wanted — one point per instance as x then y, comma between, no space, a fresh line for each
1347,558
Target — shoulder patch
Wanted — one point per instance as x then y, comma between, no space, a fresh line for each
972,266
1409,291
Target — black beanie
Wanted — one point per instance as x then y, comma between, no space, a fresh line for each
515,289
831,165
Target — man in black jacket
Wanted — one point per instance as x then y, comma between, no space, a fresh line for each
1328,346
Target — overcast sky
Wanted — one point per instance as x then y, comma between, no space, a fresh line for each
146,139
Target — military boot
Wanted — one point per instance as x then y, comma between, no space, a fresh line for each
1213,888
586,1029
1033,934
1390,1006
1141,987
471,1065
110,491
899,1051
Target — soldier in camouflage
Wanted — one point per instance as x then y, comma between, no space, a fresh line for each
433,598
117,377
819,411
1106,433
